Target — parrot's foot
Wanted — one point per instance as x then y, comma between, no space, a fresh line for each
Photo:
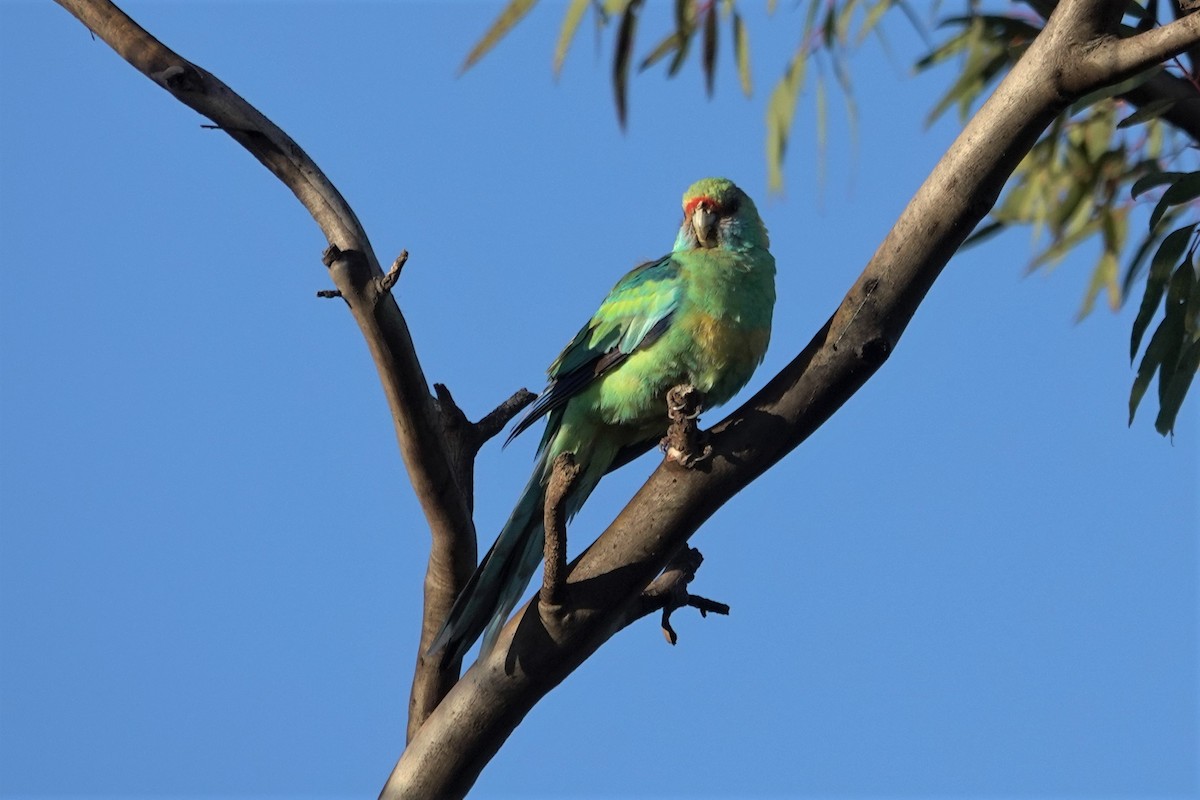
563,475
670,589
685,443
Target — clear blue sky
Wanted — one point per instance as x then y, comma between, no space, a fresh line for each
974,581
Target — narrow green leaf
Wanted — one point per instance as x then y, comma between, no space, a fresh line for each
708,56
1017,205
822,114
1172,396
1116,226
669,44
996,26
1077,192
1191,322
1133,270
1175,322
684,28
1113,226
570,26
1168,255
1151,110
1156,138
741,52
983,233
1104,276
1063,245
829,26
874,14
843,20
1150,363
781,111
809,20
1151,180
969,84
509,17
1105,93
1183,190
621,57
947,49
1097,133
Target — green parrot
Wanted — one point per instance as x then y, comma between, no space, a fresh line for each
700,315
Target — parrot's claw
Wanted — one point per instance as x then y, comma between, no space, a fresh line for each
685,443
685,459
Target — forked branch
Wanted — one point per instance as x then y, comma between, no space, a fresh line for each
364,286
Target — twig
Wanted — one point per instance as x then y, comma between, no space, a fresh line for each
563,475
328,293
494,421
489,425
388,281
669,591
464,438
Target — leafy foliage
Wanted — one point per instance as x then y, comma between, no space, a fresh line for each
1174,349
1099,166
1082,182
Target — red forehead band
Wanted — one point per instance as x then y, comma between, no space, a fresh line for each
695,201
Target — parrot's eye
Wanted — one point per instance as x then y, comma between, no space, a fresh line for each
732,206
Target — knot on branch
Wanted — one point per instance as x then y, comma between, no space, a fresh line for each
179,78
685,443
563,475
359,271
669,591
875,350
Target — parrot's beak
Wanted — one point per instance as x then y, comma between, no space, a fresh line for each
704,222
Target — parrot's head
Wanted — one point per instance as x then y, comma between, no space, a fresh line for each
716,213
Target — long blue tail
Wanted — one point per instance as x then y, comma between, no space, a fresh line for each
499,580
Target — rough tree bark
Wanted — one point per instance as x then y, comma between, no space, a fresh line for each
455,726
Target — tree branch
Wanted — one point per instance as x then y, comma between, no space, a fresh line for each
563,474
431,678
360,282
1114,59
1184,112
668,592
493,697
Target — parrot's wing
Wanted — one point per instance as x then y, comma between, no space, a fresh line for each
636,312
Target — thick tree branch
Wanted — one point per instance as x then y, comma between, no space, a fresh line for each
1180,9
431,678
485,706
361,283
